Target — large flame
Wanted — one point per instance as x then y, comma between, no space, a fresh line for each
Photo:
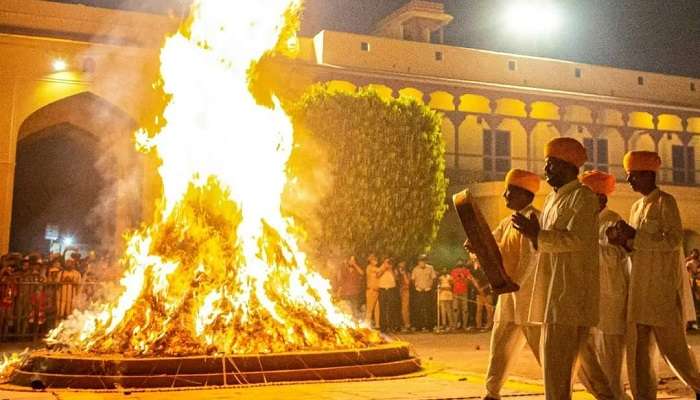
220,269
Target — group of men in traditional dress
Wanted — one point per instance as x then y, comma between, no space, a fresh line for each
592,286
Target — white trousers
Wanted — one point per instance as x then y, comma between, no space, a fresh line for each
507,340
673,346
610,351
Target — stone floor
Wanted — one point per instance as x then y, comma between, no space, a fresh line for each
454,369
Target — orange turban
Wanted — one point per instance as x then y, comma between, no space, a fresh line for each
566,149
599,182
641,161
523,179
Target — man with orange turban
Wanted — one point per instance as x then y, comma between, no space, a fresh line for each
608,337
657,280
511,330
567,281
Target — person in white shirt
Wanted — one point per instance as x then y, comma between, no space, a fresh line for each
567,282
445,297
657,306
511,330
423,278
387,296
608,337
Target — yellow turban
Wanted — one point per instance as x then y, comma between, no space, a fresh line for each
641,161
599,182
523,179
566,149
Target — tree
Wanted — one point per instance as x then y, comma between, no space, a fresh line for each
370,174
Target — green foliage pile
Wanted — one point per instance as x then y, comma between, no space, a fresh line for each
371,174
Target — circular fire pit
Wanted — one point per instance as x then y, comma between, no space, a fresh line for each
66,371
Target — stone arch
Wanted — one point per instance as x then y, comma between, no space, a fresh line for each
577,113
474,103
470,145
341,86
107,168
612,117
442,100
668,140
510,107
616,151
448,135
695,142
411,93
642,140
578,132
542,133
385,92
545,110
641,119
670,122
694,125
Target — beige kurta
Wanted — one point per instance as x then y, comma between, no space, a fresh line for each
614,266
658,276
567,282
519,259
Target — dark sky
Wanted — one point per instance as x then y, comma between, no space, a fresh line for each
649,35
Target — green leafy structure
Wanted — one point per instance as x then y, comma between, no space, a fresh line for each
371,174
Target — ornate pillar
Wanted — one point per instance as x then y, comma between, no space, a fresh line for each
528,125
626,131
456,118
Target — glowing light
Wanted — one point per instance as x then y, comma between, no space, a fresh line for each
68,241
59,65
532,18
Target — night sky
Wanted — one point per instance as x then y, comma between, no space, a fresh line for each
648,35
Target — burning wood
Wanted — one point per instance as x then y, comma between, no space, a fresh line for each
219,271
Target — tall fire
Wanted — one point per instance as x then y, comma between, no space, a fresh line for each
220,270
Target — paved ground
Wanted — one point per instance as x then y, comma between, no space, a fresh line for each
454,369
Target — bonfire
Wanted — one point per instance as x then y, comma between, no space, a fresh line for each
220,270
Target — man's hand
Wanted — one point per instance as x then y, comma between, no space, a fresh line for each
625,230
621,233
530,227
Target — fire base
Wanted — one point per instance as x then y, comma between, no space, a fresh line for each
66,371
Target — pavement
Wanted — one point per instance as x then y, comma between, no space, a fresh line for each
455,365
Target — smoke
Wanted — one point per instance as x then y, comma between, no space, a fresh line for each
123,64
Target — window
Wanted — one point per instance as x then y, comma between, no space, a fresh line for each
640,80
692,86
438,56
511,65
496,154
683,165
364,46
597,152
577,72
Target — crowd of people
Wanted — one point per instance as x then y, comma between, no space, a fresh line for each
38,291
393,296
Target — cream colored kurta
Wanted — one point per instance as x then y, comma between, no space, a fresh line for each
614,277
657,276
567,280
519,259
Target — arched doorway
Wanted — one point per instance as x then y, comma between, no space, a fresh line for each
76,169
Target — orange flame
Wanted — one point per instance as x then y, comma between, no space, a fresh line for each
219,271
